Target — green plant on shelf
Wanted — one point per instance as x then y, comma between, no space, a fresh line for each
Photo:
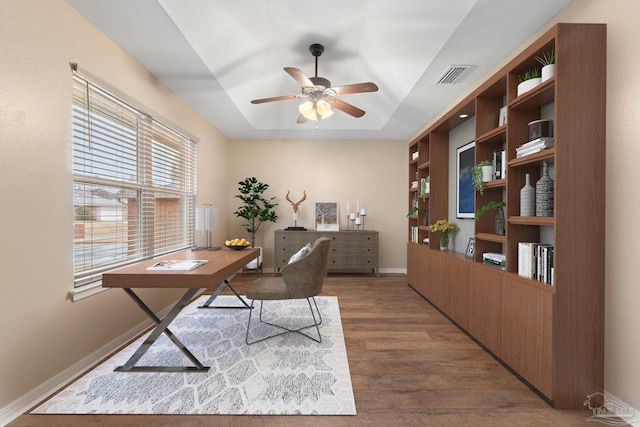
547,58
491,205
415,210
478,184
533,73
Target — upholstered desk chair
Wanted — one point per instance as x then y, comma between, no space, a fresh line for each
299,279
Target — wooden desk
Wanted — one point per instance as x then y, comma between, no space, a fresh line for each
221,268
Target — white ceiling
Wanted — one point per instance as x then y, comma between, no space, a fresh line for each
218,55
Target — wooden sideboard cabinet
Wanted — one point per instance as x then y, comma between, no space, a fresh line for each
350,251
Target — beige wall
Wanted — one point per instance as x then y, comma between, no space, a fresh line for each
622,292
41,332
331,171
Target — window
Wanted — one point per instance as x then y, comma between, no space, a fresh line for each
133,183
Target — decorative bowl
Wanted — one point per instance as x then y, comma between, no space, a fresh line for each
237,247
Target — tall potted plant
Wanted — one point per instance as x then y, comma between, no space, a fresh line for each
256,209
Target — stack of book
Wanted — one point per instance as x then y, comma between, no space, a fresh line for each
414,234
500,164
535,261
494,259
534,146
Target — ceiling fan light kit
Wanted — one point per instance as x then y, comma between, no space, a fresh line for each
323,96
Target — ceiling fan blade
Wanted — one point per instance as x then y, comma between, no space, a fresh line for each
299,76
347,108
275,98
301,119
355,88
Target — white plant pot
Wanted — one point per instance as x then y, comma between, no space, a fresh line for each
256,262
548,71
487,173
527,85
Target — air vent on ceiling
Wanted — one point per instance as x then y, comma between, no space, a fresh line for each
452,74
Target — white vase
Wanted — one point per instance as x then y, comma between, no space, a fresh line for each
487,173
527,198
256,263
548,71
527,85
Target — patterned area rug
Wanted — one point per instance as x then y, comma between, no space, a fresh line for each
289,374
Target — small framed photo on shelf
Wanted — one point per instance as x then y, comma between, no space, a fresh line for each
470,247
502,118
327,216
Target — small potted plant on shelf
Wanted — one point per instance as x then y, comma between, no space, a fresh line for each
499,218
481,173
414,152
444,229
528,80
414,210
547,60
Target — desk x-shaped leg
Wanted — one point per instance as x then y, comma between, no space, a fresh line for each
162,326
225,284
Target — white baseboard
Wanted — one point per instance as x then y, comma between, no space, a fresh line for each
37,395
392,270
635,421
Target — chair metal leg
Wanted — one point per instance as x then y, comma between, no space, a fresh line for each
315,324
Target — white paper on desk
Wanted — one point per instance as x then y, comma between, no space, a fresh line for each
178,264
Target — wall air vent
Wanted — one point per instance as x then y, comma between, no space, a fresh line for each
451,75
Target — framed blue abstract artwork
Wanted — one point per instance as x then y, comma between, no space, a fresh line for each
464,174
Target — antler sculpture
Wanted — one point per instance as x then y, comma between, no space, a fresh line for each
296,210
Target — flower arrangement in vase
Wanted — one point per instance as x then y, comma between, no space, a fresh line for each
444,229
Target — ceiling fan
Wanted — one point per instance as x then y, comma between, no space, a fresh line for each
321,96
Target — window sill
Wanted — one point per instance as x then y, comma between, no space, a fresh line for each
85,291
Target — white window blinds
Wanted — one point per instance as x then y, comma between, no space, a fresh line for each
134,183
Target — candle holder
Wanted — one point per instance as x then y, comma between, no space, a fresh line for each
363,213
358,223
348,219
352,217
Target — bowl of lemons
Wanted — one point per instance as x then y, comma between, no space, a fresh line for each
237,244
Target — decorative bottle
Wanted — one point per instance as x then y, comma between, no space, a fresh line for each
527,198
544,193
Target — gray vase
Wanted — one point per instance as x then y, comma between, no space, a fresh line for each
544,193
527,198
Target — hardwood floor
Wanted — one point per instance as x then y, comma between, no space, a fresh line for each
409,366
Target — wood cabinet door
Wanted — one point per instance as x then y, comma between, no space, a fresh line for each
412,266
458,278
439,283
527,314
484,305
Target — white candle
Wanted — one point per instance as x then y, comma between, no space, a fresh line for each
358,221
352,215
358,205
363,212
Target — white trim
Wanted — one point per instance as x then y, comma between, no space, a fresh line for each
635,422
46,389
393,270
85,291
